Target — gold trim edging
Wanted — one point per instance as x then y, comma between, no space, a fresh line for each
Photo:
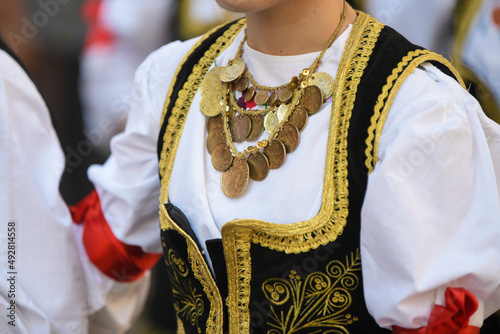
238,235
386,98
171,142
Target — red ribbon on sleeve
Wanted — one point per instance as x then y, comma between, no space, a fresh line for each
450,319
115,259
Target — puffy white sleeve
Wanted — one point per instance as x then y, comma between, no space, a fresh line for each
41,282
431,215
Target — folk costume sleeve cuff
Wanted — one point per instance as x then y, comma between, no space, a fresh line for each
453,318
117,260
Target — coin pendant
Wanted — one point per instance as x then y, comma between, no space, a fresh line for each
271,122
275,153
222,157
211,82
258,165
215,138
273,98
283,111
210,103
234,180
233,70
242,83
216,122
299,118
289,136
325,83
285,95
257,128
312,99
249,94
261,97
240,127
215,70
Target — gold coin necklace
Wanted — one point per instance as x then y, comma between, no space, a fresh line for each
285,114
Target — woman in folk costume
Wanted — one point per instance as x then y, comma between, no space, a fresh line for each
318,173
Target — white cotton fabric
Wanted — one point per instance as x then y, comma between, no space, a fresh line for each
431,217
51,275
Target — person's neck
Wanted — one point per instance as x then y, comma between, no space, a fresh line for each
296,26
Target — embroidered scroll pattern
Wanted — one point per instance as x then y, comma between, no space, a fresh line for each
318,302
188,304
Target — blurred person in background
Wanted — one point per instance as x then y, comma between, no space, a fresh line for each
467,31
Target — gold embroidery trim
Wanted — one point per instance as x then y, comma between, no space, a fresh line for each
171,142
237,235
389,91
318,301
188,303
467,11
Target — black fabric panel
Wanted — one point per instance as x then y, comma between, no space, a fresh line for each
184,73
388,52
181,220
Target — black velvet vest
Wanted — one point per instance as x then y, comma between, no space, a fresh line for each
305,277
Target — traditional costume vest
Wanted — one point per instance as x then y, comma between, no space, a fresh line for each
304,277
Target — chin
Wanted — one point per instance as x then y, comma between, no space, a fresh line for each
246,6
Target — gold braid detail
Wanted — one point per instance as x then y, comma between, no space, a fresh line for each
171,142
389,91
238,235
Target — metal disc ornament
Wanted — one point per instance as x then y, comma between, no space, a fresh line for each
234,180
257,128
289,136
275,153
312,99
233,70
259,166
210,103
324,81
221,157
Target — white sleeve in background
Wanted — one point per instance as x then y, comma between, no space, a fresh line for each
48,279
43,279
431,215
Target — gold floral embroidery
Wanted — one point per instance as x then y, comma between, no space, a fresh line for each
188,304
320,301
